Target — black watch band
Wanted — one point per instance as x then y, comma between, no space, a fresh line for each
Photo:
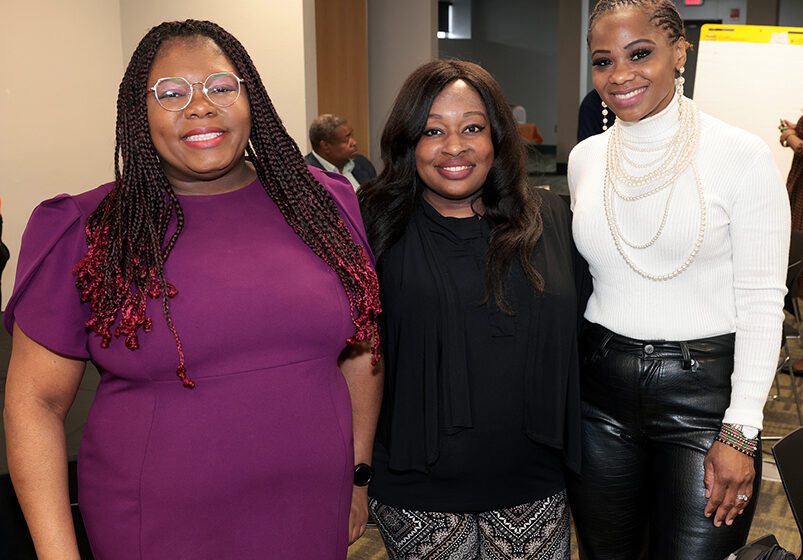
363,473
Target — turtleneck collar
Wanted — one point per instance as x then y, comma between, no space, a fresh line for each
658,127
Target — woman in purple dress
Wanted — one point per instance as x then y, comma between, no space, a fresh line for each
248,278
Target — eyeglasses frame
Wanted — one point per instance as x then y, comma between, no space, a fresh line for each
192,85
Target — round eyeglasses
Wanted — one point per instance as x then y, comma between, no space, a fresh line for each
174,94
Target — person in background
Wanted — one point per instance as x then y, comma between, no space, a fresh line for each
686,312
792,138
593,118
477,275
335,149
217,296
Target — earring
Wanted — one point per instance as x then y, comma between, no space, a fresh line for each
604,117
679,81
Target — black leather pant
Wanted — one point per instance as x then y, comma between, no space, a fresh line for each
651,410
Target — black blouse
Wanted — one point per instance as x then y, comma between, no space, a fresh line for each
481,408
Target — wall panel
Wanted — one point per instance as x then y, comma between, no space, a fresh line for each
341,37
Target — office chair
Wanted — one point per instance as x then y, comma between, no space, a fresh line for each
788,455
791,304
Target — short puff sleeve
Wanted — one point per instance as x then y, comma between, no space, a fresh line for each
45,303
343,194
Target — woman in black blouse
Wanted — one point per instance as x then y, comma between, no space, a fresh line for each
476,269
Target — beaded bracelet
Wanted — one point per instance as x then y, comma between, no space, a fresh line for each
732,435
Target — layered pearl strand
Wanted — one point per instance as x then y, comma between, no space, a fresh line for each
663,172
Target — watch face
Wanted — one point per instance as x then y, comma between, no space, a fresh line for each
749,432
363,474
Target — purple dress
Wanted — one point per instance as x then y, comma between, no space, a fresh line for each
256,461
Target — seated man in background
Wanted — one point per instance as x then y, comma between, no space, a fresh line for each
335,149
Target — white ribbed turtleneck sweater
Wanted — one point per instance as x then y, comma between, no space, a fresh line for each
736,283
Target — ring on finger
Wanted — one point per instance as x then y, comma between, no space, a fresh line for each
743,497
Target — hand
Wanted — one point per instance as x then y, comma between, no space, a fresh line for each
727,473
787,129
358,516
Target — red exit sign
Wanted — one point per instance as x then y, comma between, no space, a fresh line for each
693,2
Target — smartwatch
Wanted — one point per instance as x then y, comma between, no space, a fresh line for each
363,473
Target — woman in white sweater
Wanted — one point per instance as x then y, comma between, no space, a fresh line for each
684,222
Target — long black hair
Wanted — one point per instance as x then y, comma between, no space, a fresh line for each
511,207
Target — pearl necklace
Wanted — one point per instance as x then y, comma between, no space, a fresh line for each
678,156
668,166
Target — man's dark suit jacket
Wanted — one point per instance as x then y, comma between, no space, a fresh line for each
589,117
363,169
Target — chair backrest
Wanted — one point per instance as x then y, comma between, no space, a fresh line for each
788,455
765,548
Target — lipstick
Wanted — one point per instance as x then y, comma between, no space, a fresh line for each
455,169
206,137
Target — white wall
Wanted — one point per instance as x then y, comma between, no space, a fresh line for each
517,42
59,137
401,37
57,105
272,31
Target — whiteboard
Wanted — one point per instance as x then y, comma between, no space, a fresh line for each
750,76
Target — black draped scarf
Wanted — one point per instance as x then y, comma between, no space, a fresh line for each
427,390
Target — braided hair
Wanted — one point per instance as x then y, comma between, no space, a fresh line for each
127,234
663,14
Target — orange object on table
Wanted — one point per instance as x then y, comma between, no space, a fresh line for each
529,133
